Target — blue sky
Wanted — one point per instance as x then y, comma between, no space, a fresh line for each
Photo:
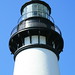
63,12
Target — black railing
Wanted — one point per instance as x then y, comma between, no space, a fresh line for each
18,28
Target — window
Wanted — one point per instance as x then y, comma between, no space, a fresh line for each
40,7
24,16
45,9
25,10
35,39
39,13
44,15
53,45
29,8
24,13
42,40
29,14
34,13
27,40
34,7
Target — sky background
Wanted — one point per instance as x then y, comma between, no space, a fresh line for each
63,12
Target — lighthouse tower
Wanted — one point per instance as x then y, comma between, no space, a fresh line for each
36,41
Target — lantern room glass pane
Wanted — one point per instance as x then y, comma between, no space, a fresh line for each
40,7
35,9
29,14
29,8
40,13
44,15
34,13
25,10
45,9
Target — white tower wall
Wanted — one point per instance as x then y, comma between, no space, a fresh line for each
36,61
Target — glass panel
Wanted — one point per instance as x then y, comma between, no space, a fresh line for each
53,44
34,13
24,13
29,14
25,10
27,41
34,7
42,40
29,8
39,13
40,7
44,15
24,16
45,9
34,39
48,11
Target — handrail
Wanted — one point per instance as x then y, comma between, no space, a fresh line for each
14,30
52,19
58,30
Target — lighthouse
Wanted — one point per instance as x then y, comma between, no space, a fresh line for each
36,41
